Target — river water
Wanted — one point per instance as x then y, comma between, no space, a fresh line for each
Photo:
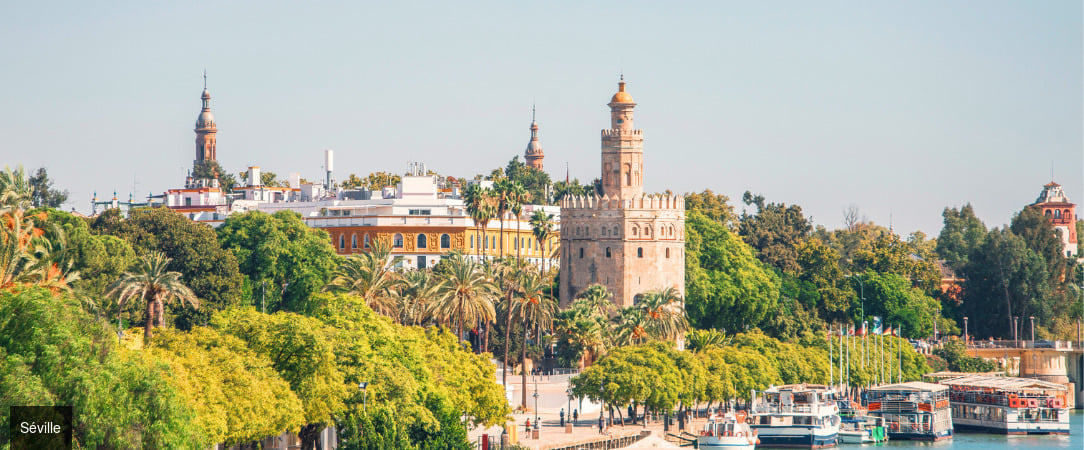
983,441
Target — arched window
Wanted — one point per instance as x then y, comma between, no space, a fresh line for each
397,241
365,240
667,253
616,232
603,231
647,232
342,242
354,241
1057,213
421,241
1048,213
445,241
581,252
607,252
640,252
1068,215
587,231
472,241
635,231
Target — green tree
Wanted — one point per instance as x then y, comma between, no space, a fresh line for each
42,192
534,308
893,297
54,353
15,189
152,283
302,352
1005,278
955,355
774,232
99,259
236,395
281,252
536,182
713,206
820,267
726,286
481,208
961,234
542,227
206,268
913,260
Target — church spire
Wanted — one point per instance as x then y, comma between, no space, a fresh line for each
534,155
205,128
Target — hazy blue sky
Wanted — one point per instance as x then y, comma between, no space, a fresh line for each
901,108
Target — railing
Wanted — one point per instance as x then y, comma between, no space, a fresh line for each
1025,344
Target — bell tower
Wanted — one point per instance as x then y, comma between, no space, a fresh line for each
622,149
534,154
205,128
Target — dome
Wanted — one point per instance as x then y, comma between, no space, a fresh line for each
206,94
205,119
621,96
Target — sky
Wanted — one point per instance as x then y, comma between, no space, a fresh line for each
899,108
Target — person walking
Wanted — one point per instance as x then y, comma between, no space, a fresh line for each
562,417
600,424
575,415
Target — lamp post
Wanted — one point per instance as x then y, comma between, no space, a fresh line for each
568,411
965,330
1015,329
364,397
1032,318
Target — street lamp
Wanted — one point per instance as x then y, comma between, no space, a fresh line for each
364,397
965,330
536,409
1015,330
568,412
1032,318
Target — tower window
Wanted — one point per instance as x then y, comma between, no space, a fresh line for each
581,252
354,241
365,240
445,241
342,242
635,231
607,252
640,252
397,241
421,241
1057,213
667,253
472,241
616,232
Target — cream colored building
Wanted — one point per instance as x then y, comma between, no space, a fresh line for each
628,241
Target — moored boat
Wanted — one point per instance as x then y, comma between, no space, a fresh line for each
1008,405
912,410
728,431
862,430
798,415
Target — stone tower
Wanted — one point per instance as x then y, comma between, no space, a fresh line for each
205,129
1061,213
534,155
628,241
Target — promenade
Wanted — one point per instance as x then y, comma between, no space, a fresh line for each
552,398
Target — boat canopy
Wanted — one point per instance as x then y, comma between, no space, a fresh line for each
910,386
1004,383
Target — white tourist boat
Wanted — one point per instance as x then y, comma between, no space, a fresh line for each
912,410
728,431
1008,405
798,415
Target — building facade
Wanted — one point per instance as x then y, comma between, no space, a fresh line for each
1056,207
625,240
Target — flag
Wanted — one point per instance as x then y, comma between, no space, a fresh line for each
877,329
888,331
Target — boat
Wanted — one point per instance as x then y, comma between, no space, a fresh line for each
796,415
862,430
728,431
1008,405
913,410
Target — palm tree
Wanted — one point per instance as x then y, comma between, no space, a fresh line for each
584,323
417,290
465,296
633,326
700,340
518,196
535,309
368,275
480,207
542,226
664,311
502,202
15,189
30,254
154,284
598,298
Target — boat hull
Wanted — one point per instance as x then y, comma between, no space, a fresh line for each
1013,429
917,436
795,438
728,443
